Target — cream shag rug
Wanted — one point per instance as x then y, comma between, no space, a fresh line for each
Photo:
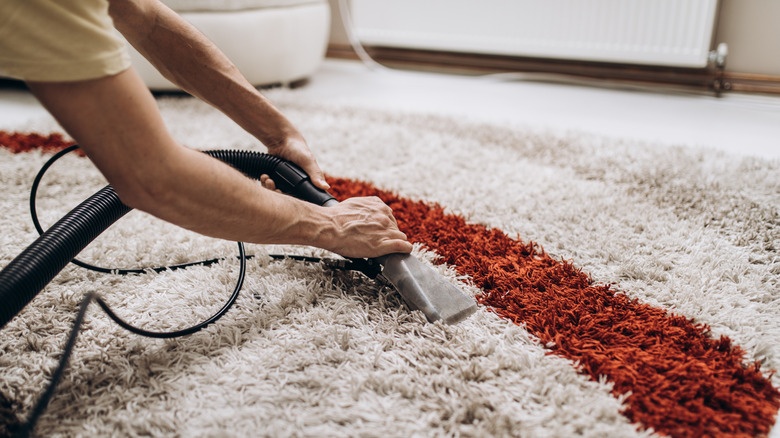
310,352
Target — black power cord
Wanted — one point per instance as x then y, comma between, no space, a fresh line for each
367,266
43,401
150,334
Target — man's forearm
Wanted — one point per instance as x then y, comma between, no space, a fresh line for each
188,59
120,128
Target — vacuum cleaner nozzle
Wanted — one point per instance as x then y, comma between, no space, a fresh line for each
425,290
418,284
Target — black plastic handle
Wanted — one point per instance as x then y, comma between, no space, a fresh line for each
291,179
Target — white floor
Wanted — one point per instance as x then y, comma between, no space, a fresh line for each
740,123
743,124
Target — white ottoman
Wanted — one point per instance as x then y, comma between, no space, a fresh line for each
270,41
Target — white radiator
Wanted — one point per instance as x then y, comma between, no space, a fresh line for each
655,32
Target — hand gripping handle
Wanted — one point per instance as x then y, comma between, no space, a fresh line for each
291,179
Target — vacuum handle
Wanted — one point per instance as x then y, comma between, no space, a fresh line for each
288,177
291,179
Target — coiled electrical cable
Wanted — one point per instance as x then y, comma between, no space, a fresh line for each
127,326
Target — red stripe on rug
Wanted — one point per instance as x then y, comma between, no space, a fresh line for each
25,142
680,381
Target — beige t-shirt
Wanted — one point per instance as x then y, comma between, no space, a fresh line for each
59,40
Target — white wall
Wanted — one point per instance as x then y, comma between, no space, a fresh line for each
751,28
337,34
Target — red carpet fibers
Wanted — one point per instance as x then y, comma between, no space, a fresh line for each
17,142
681,382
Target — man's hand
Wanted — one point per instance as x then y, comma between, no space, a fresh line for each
365,227
295,149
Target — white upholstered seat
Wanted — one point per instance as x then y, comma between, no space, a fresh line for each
270,41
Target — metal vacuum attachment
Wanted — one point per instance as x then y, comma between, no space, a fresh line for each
26,275
424,289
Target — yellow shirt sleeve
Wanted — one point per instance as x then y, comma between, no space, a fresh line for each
59,40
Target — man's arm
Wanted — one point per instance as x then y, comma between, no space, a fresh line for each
191,61
116,121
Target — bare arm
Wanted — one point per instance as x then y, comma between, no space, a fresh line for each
190,60
116,121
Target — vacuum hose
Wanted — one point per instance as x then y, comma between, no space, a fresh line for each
37,265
